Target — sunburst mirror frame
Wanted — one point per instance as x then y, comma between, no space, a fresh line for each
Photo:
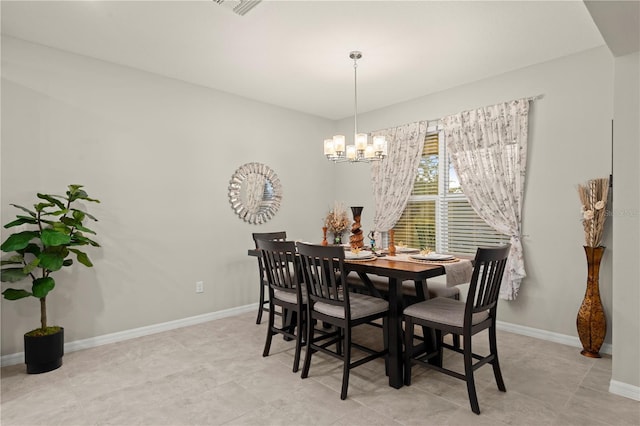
257,181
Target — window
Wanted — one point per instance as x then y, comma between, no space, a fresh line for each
438,215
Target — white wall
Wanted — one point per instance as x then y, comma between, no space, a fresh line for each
159,154
569,142
626,224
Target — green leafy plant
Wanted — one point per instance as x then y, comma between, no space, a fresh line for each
58,233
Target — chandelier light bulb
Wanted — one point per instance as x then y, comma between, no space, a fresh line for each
329,150
338,144
351,152
361,141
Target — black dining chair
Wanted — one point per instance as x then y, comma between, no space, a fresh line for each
285,290
330,301
263,302
466,319
412,292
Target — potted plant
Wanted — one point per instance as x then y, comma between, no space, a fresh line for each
58,232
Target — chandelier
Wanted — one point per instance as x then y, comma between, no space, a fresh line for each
361,151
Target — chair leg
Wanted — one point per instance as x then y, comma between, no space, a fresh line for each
408,349
299,331
270,333
347,361
456,337
468,372
385,340
307,356
496,364
456,340
439,340
261,304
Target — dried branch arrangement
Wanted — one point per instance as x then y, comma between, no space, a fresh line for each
337,219
593,196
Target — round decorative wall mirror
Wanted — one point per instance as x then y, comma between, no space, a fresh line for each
255,193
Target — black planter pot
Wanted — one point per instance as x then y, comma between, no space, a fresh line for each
43,353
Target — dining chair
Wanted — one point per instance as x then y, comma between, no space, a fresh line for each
409,289
444,315
411,292
285,290
275,236
330,301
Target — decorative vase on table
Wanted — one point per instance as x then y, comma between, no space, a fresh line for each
337,238
356,238
337,222
392,243
324,236
591,321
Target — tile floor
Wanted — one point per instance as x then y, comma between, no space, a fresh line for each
206,375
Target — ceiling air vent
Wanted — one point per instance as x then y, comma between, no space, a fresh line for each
241,7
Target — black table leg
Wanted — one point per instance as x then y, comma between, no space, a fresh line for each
288,319
369,285
395,334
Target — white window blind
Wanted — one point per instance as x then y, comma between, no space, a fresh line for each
438,215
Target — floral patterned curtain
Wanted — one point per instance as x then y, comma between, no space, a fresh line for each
394,176
488,149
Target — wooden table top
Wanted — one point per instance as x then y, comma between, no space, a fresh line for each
395,268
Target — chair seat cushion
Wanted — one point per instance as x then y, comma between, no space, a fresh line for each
290,297
381,284
443,310
361,306
440,290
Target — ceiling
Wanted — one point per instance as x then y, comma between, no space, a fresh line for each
295,54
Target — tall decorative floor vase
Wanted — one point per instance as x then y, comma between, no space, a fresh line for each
591,321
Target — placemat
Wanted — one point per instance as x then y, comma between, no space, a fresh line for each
458,271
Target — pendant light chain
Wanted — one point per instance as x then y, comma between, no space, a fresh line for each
355,94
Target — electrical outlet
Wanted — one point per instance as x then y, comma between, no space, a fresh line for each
199,287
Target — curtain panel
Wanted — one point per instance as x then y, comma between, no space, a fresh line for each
488,150
393,177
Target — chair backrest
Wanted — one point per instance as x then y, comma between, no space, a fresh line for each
279,259
485,282
272,236
322,267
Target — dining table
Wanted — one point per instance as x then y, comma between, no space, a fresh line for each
396,271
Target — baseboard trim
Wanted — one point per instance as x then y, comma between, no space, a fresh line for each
547,335
624,389
615,387
18,358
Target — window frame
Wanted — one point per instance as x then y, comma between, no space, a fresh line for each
443,200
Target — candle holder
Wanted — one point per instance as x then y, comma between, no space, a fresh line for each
324,236
392,243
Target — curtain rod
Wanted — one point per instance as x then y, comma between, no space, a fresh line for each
436,123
